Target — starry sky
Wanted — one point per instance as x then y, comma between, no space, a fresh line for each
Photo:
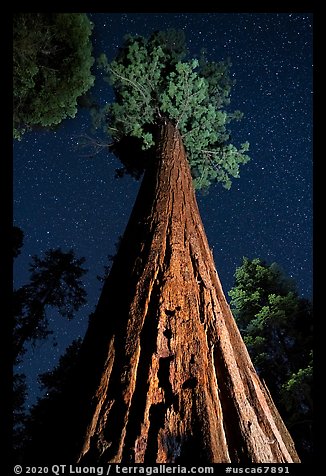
64,198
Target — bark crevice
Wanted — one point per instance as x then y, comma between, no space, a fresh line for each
169,379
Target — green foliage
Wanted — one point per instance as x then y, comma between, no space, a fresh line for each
297,388
52,60
276,325
255,281
153,84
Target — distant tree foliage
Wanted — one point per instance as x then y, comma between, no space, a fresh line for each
19,416
56,282
52,60
276,325
111,258
153,83
49,406
54,380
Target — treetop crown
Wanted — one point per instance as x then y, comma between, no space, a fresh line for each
153,84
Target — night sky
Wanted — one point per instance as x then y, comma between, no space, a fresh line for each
64,198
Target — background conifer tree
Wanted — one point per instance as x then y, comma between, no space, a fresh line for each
52,60
276,325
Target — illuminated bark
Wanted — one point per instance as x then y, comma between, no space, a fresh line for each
168,376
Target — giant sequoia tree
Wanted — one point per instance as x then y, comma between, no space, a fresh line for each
164,375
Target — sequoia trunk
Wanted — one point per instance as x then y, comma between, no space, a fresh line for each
168,376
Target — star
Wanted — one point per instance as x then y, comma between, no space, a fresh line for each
62,199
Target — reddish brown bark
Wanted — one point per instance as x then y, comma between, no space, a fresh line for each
169,378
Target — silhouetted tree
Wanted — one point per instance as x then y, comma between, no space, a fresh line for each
111,258
18,239
19,390
55,282
49,406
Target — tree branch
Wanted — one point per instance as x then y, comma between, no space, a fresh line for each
189,132
91,142
136,85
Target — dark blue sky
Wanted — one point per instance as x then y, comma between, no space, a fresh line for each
65,199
